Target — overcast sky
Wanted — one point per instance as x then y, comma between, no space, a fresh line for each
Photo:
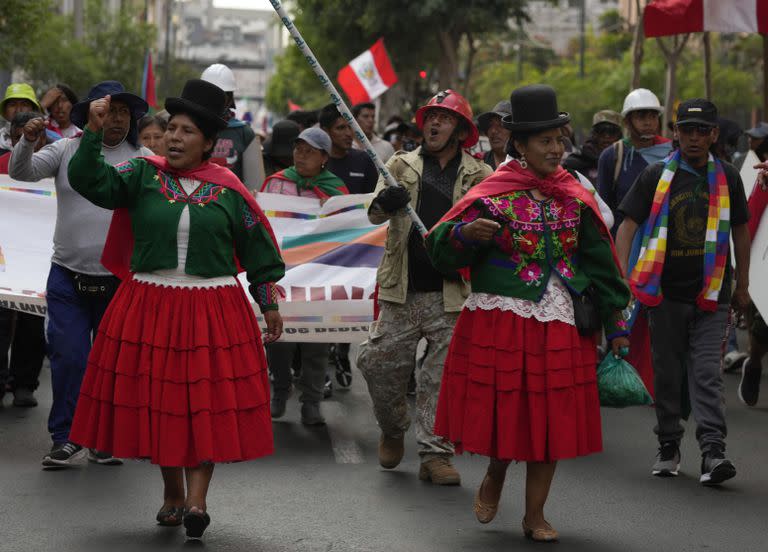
244,4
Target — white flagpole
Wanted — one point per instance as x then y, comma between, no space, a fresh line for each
341,106
377,103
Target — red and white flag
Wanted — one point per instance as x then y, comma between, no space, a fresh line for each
670,17
369,75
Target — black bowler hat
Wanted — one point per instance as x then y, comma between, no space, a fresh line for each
534,109
202,99
697,112
138,107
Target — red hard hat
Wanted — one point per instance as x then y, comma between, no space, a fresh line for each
452,101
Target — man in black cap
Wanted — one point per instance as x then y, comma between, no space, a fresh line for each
690,306
489,123
79,288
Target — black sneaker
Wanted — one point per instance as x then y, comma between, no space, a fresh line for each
310,414
749,386
24,397
327,388
715,468
64,455
277,405
103,458
667,460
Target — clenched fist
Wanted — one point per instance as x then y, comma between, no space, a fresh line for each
33,129
97,113
480,230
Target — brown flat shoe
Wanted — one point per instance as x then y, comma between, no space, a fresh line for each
484,511
546,534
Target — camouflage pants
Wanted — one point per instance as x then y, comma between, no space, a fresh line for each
388,356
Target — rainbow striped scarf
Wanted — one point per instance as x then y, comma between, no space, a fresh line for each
645,280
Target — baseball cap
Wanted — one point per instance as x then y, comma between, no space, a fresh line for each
607,116
317,138
760,131
697,111
501,110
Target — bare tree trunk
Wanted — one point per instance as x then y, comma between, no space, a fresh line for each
449,61
471,51
765,77
707,66
672,54
638,41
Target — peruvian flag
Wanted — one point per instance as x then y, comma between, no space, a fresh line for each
670,17
148,81
369,75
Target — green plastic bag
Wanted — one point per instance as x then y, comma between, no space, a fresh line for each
619,384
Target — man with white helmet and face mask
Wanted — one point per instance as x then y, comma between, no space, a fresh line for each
620,165
237,147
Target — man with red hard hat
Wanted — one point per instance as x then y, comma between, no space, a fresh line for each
415,300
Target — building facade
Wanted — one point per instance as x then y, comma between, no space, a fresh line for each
558,23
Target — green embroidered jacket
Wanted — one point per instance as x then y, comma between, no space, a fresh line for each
221,224
536,239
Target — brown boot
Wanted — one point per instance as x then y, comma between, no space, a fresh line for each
391,450
439,471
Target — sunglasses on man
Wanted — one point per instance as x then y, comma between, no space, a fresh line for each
606,129
701,130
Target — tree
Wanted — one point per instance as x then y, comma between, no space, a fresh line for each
440,37
735,91
20,23
112,47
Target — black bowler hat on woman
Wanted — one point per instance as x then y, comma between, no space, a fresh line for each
534,109
204,102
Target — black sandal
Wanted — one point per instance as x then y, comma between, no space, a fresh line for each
170,517
196,523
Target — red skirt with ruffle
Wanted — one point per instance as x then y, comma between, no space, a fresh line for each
177,376
515,388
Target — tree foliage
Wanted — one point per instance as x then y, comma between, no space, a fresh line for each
736,88
435,36
20,24
42,43
112,47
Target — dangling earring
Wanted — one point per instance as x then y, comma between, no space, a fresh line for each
523,162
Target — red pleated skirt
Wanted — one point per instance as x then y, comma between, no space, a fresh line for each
515,388
177,376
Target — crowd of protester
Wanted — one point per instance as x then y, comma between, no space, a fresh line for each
523,221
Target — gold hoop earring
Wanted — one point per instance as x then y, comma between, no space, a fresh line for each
523,162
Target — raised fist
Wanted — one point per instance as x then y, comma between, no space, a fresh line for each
33,129
97,113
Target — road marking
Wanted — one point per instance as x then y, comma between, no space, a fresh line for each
345,447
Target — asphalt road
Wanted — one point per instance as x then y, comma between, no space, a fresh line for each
324,491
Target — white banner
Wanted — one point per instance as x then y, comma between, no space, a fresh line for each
331,253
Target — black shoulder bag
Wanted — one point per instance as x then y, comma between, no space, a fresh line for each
585,313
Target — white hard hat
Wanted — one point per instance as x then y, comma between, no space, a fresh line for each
640,99
220,75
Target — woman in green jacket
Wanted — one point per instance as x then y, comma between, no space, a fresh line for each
177,374
519,382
